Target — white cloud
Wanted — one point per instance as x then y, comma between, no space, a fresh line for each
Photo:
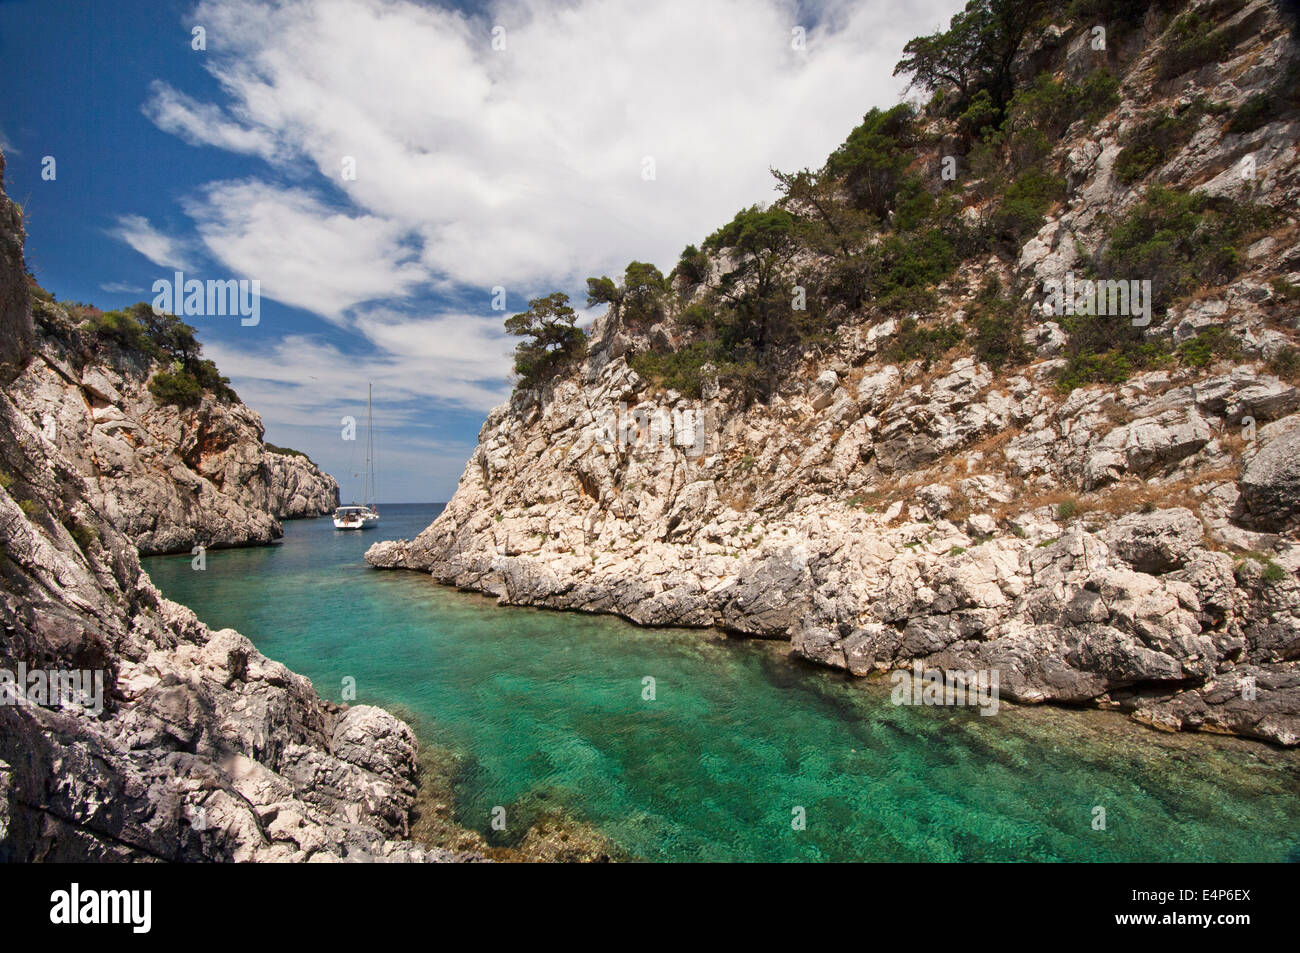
448,360
204,124
162,250
121,287
7,147
304,253
476,167
521,167
303,387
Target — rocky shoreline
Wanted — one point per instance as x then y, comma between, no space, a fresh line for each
1124,545
192,746
171,478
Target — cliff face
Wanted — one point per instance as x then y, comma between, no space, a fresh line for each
1128,544
15,319
181,743
169,477
297,488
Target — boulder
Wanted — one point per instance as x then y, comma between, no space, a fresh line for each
1270,483
1156,542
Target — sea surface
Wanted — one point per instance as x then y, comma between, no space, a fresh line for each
737,743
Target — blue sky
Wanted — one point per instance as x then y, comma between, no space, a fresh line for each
519,164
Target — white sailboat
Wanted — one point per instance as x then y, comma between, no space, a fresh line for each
365,515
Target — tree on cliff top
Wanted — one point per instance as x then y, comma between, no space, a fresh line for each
976,52
554,342
640,299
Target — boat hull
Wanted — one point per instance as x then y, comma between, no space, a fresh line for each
355,518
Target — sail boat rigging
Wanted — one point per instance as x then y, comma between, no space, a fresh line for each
365,515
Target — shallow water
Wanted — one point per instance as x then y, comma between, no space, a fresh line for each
546,709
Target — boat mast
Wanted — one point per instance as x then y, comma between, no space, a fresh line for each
365,493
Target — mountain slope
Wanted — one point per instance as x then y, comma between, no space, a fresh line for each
192,745
856,421
169,475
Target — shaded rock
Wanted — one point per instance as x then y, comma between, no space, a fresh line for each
1157,542
1270,484
15,312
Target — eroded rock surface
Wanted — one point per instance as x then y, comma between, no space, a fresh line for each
198,747
1128,545
168,477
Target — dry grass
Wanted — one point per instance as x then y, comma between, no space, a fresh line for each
1124,498
991,444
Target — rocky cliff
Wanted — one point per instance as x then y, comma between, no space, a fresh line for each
950,469
169,476
297,488
179,743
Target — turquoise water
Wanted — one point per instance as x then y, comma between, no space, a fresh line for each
547,708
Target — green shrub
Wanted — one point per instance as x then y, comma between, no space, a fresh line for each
1152,143
1109,367
1066,510
1191,42
980,114
693,265
553,341
602,290
1286,364
83,535
643,293
1181,241
746,377
123,328
913,206
999,328
1098,95
162,337
1126,13
1051,106
678,370
906,267
1273,573
176,387
978,51
872,160
1026,202
1285,290
912,342
1209,345
287,451
1258,110
697,317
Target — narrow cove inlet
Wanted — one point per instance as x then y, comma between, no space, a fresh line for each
550,708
